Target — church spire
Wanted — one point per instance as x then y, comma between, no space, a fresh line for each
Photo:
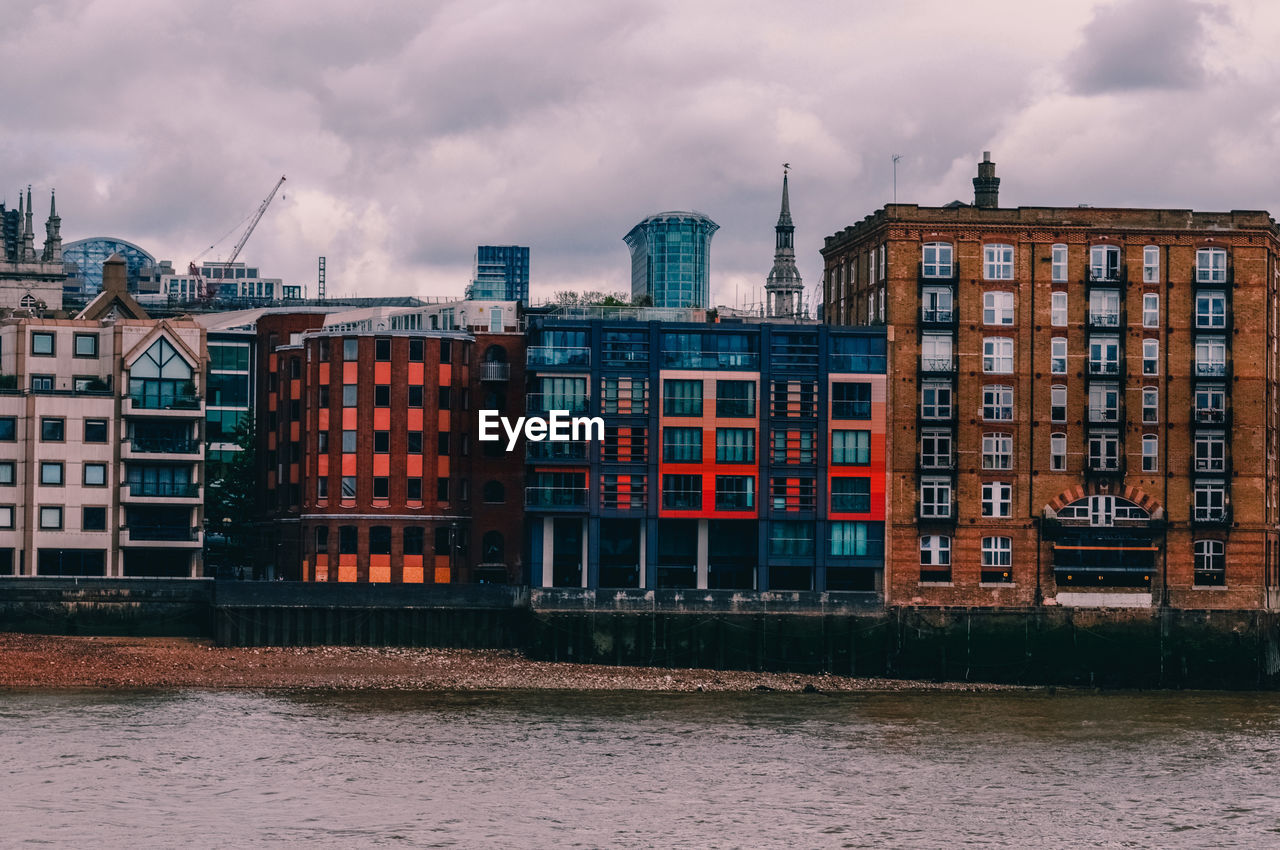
52,233
28,233
784,288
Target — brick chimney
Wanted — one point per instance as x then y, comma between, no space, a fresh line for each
986,186
115,274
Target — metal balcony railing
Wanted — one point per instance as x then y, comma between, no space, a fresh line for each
163,532
1103,320
163,489
555,355
491,371
1104,367
555,497
1211,370
937,365
164,445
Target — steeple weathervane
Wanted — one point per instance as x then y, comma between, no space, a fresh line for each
783,288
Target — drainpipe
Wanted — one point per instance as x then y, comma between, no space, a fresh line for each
1164,450
1031,442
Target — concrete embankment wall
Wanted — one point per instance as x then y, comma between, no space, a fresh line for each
841,633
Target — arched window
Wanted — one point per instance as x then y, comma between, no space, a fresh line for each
494,492
495,354
493,548
1059,263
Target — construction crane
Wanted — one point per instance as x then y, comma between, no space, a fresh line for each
193,269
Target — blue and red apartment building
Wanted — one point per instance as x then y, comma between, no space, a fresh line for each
736,455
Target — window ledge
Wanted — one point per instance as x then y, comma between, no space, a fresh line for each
1210,587
997,584
937,584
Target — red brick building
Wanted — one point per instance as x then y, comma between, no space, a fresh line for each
1083,401
366,439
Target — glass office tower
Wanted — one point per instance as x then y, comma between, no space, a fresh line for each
670,259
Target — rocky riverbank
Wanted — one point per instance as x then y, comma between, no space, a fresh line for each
39,661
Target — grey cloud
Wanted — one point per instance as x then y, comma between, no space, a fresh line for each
1140,44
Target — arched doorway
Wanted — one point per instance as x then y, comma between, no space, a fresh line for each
1103,540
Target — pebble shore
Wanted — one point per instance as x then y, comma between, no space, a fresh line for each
41,661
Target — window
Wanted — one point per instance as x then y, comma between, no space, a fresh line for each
997,499
350,349
935,353
997,403
1211,403
850,400
1211,356
85,345
1210,563
682,492
1104,451
382,395
1210,502
52,429
1059,266
382,350
1058,452
9,429
682,445
348,488
735,445
1057,403
735,398
1151,357
1150,453
1058,309
937,259
1211,309
442,489
1058,355
348,539
850,447
95,430
6,516
350,395
935,557
1150,310
50,518
442,444
735,492
1104,355
936,304
850,539
935,400
1150,405
997,308
417,352
997,451
935,449
93,519
851,495
1104,403
348,441
381,487
1151,264
322,488
444,396
792,447
1210,452
997,559
42,383
997,262
415,397
1104,262
682,398
95,475
935,498
381,442
42,344
997,355
1211,265
8,473
413,489
446,345
51,473
1104,308
791,539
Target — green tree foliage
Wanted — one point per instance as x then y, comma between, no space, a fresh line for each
231,510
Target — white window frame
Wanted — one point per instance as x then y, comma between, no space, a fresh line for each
1058,309
1150,356
1104,262
1104,451
931,350
997,499
1211,355
1209,452
939,265
997,403
997,355
934,506
1211,310
1058,451
937,409
1150,405
1058,269
1210,556
998,308
1151,264
1104,402
937,304
997,261
1104,355
1150,453
1150,310
937,450
1209,500
1058,403
997,552
935,550
1058,355
1211,265
997,450
1104,308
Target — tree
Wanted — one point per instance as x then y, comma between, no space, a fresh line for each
231,509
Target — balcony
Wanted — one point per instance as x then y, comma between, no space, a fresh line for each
160,490
493,371
937,365
1210,465
859,363
1218,417
936,512
1103,467
161,536
1213,278
176,406
1103,416
1105,277
1211,370
1211,517
555,497
1103,368
545,402
711,360
556,355
935,465
165,445
1103,321
938,317
938,274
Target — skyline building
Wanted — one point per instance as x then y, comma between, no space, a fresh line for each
784,290
501,274
671,258
30,279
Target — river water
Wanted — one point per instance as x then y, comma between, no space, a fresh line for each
552,769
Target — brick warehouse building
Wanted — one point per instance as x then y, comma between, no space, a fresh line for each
735,455
1076,414
365,437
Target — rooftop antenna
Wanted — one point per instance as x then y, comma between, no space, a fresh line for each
896,157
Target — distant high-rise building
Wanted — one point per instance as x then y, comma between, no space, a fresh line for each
784,290
670,259
502,274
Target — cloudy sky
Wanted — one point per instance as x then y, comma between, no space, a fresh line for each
411,132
